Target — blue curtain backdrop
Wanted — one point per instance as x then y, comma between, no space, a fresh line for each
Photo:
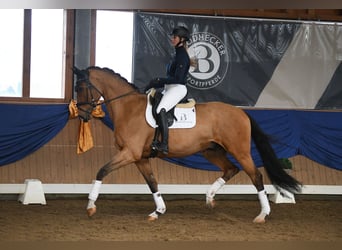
26,128
316,135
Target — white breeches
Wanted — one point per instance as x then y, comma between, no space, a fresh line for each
172,95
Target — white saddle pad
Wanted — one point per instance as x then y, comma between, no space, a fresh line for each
186,117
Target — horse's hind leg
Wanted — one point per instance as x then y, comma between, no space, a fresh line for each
217,156
248,166
146,170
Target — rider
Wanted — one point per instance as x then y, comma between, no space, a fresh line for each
174,84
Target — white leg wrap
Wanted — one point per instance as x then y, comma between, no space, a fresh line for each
95,190
160,204
91,204
214,188
265,205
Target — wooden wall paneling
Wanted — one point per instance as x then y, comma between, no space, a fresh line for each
31,163
163,171
57,162
321,174
316,173
5,174
41,167
73,169
101,151
26,168
17,171
307,173
60,159
14,170
296,171
155,168
311,170
96,152
330,177
337,177
187,174
70,147
334,177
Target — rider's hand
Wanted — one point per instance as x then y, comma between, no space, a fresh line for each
154,82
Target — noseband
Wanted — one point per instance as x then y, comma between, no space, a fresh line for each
90,88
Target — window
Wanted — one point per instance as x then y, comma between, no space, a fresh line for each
36,62
11,51
47,50
114,41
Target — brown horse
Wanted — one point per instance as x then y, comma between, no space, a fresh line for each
220,128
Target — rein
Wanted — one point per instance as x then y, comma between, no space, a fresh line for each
118,97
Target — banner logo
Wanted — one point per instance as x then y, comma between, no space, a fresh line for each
211,56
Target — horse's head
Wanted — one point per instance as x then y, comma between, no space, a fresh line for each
87,94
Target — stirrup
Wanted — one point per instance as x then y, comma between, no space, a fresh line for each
162,147
154,145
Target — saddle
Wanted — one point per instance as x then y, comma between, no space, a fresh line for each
155,97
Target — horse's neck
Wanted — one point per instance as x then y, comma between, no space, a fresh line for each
120,97
125,108
115,88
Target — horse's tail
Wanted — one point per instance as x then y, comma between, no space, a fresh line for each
272,164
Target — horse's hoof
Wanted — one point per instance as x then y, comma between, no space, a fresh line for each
152,218
211,204
260,219
91,211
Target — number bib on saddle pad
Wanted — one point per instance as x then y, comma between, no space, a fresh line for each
185,115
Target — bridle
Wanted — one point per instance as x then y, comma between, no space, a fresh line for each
92,103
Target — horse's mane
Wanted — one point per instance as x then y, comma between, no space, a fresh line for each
114,74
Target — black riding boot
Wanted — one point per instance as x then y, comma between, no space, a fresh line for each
162,123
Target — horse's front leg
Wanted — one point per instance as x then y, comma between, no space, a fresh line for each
146,170
119,160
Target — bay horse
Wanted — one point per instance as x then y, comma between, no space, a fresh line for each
220,129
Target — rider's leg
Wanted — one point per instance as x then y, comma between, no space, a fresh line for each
163,126
174,93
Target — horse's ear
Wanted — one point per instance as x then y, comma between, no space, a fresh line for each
76,70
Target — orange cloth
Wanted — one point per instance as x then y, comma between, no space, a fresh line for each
73,111
98,112
85,138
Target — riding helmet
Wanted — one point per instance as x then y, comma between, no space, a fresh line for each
182,32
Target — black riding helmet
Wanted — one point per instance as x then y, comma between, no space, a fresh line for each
182,32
